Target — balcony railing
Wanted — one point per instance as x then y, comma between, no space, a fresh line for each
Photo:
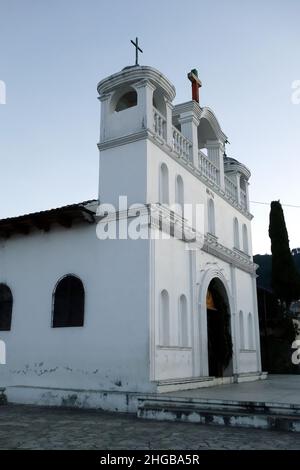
208,165
160,124
181,145
230,188
209,169
243,198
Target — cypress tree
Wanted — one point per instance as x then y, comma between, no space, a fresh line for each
285,278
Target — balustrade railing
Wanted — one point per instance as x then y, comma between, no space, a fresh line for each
243,198
208,168
160,124
230,188
181,145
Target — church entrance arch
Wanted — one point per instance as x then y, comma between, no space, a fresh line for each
219,338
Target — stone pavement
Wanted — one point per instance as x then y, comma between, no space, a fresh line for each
28,427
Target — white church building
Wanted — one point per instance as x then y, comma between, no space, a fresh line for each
92,315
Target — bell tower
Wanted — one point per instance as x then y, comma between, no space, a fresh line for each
136,104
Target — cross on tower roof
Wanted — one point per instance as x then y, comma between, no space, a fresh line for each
137,49
196,84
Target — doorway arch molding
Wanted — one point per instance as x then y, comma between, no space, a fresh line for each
204,280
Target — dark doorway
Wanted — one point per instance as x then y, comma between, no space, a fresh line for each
214,365
218,330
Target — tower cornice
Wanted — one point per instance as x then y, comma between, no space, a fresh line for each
134,74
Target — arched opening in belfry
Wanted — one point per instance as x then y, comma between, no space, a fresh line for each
205,134
219,339
127,100
159,102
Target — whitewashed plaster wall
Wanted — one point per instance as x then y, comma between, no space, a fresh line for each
195,192
111,350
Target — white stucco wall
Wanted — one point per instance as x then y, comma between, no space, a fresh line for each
195,192
110,352
172,273
119,347
123,171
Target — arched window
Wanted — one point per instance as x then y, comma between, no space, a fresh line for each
242,330
236,235
164,184
68,303
211,217
128,100
6,305
179,194
245,239
164,319
183,322
250,332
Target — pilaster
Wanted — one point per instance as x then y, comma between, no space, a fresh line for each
145,90
215,152
189,128
169,128
105,101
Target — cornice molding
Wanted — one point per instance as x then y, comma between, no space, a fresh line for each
135,74
236,167
124,140
239,260
161,218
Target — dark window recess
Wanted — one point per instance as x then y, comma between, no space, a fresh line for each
6,304
68,309
127,101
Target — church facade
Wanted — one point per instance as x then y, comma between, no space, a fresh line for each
131,294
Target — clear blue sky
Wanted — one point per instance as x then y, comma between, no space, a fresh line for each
53,53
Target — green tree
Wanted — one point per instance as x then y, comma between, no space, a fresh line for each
285,278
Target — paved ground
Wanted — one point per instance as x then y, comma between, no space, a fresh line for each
276,389
27,427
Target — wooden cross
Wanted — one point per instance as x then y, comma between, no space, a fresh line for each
196,84
137,49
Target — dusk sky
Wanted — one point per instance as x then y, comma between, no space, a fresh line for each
53,54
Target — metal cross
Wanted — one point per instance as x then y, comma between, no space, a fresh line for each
137,49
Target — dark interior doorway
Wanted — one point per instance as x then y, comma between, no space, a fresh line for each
218,330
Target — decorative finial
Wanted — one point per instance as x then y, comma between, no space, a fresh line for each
196,84
137,49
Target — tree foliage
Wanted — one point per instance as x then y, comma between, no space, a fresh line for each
285,278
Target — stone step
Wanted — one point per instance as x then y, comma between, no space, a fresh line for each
233,414
222,404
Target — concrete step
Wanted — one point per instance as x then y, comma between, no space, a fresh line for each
186,383
189,383
257,415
